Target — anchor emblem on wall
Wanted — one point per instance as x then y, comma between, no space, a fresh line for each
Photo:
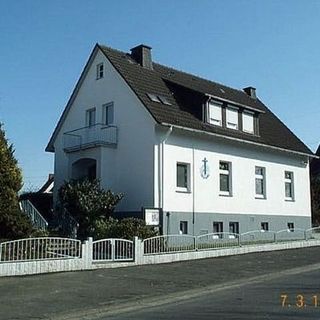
205,170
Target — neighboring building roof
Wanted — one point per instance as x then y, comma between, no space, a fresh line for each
48,185
315,165
186,94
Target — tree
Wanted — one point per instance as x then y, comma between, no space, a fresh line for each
87,203
13,224
315,200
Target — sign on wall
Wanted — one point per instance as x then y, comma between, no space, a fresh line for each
152,216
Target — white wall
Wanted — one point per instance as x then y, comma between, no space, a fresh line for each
205,194
128,168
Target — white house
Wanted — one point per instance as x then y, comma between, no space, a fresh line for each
211,157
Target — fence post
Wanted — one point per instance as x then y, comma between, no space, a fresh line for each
87,251
239,241
138,251
113,249
275,237
195,243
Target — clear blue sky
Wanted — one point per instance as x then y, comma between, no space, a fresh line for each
271,45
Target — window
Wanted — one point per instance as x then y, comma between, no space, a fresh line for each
108,113
183,227
91,117
215,113
290,226
260,182
164,100
157,98
225,178
218,228
100,70
264,226
153,97
234,227
183,177
288,183
247,122
232,118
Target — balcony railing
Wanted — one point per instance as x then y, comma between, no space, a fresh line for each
89,137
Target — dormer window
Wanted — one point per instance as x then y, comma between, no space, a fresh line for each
248,122
215,113
100,71
232,119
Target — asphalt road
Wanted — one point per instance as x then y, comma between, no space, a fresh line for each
241,283
287,297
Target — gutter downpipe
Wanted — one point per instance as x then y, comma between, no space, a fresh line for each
161,193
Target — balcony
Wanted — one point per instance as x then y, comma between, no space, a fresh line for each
98,135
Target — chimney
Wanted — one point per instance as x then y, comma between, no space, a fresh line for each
251,92
142,54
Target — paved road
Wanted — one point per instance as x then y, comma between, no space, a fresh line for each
287,297
104,293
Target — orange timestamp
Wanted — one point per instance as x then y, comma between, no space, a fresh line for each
299,301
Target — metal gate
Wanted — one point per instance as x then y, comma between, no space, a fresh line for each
113,250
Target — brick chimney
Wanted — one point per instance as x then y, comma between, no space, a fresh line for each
142,55
251,92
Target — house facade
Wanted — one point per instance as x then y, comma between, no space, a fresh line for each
212,158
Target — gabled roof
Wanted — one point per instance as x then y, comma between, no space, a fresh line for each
315,165
187,93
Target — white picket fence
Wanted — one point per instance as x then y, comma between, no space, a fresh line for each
52,254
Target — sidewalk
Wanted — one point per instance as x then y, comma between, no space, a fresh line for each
44,296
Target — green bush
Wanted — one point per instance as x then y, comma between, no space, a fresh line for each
87,203
126,228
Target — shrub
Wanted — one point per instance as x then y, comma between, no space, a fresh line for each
126,228
86,202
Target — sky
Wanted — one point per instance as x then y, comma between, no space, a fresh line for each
273,46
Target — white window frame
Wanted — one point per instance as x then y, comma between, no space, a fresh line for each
244,114
290,229
291,182
263,224
229,174
88,117
234,225
100,71
261,177
105,109
183,227
213,105
230,110
187,188
219,231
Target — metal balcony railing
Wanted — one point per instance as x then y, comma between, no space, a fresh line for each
92,136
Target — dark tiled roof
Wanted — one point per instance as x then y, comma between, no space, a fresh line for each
186,94
315,165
